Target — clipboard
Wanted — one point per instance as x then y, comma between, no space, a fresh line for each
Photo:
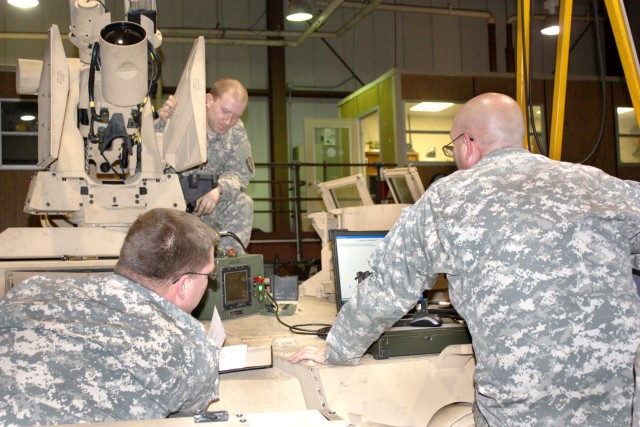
231,360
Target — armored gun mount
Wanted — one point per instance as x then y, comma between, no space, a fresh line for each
101,162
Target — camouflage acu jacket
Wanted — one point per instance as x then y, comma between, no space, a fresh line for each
99,349
229,157
538,255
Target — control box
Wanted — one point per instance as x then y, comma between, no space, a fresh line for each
237,291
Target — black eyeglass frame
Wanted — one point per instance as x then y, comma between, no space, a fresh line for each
447,150
213,275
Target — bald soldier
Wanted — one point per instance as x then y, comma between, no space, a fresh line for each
227,207
538,255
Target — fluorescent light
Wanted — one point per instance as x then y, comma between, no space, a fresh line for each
431,107
24,4
27,117
622,110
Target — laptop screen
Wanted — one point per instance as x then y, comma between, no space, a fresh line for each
351,251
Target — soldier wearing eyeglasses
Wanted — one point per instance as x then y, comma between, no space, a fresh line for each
112,347
538,254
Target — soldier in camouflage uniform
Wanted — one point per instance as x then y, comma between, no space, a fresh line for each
636,397
114,347
227,207
538,255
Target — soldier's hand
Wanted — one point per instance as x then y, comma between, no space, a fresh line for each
317,354
207,203
168,108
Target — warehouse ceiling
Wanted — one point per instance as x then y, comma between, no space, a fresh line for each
252,37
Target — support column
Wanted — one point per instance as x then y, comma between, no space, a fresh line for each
278,130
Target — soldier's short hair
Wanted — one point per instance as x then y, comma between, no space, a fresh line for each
225,85
163,244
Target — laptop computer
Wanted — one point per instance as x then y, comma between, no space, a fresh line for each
351,252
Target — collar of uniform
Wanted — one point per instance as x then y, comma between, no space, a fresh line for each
501,152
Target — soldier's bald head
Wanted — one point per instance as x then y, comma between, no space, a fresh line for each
493,120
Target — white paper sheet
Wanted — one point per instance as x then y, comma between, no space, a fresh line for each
233,357
216,330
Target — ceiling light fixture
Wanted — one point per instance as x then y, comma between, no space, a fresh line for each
27,117
24,4
551,24
299,11
432,107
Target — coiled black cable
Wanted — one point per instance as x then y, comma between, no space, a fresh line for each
322,328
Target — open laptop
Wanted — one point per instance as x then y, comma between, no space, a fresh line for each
351,252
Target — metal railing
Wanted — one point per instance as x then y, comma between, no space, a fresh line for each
294,199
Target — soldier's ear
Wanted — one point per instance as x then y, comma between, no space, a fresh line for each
184,287
178,290
471,152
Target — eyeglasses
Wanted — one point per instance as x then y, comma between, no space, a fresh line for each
213,275
448,149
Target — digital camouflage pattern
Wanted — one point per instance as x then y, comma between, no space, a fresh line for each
538,254
229,157
99,348
636,398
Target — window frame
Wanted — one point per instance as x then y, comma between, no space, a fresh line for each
29,133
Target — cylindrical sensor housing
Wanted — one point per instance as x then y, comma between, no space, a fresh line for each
123,63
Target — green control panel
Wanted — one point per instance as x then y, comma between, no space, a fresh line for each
238,289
